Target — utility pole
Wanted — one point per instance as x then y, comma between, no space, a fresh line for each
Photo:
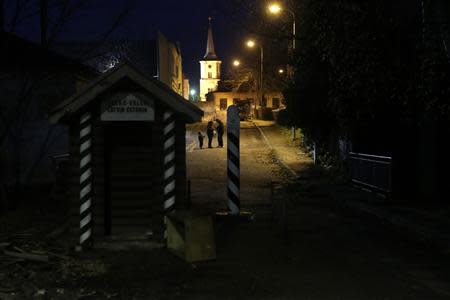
44,21
2,16
423,20
435,24
262,71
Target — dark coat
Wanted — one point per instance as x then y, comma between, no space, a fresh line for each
209,129
219,127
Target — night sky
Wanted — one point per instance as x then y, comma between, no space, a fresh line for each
183,21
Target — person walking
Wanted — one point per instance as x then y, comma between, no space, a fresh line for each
200,140
220,131
210,133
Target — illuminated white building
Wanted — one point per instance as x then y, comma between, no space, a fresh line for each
209,68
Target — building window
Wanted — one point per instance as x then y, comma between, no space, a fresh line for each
209,67
264,102
223,104
275,103
235,101
209,74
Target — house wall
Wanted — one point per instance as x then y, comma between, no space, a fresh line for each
230,96
170,70
186,89
217,103
209,110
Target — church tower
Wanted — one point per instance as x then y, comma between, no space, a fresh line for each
209,67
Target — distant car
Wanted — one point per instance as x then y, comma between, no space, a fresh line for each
244,109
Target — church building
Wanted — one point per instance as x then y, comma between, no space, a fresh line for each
209,68
215,100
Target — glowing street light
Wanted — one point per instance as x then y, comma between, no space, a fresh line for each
252,44
274,8
236,63
193,92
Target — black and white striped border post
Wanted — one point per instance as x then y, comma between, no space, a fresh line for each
85,180
233,165
169,164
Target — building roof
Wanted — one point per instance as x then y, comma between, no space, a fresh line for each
159,90
210,52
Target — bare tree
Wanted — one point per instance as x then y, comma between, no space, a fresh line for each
28,93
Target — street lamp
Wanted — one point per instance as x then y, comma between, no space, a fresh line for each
275,9
252,44
236,63
280,71
193,92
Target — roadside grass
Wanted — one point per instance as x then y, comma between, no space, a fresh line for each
327,165
287,134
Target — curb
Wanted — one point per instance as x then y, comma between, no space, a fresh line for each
269,145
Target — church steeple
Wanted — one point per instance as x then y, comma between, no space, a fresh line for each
209,68
210,52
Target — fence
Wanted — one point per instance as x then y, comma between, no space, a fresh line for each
372,172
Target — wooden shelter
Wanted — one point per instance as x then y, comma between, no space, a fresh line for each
127,154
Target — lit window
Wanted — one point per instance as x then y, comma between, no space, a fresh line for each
223,104
275,103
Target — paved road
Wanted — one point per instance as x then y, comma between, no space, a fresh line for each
207,169
330,252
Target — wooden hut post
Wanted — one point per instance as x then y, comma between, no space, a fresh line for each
85,196
169,164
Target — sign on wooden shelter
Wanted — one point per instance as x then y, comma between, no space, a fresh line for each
127,153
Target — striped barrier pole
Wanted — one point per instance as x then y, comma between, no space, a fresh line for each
85,181
169,165
233,165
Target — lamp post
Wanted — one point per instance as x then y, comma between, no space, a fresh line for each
275,8
193,92
252,44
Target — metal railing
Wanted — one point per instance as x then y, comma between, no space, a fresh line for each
372,172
